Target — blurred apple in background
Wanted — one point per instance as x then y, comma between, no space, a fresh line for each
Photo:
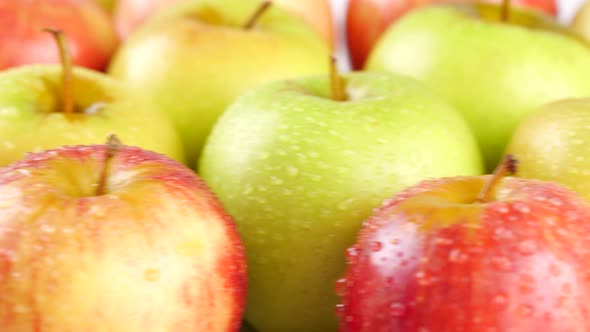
495,70
115,238
130,14
196,58
88,27
581,21
471,254
367,20
45,106
299,166
553,144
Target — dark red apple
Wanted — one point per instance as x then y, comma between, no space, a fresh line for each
89,30
368,19
440,257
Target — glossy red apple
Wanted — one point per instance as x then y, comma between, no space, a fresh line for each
440,257
368,19
115,238
129,14
88,27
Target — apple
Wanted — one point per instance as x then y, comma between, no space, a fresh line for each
367,20
553,144
299,166
130,14
111,237
45,106
581,21
196,58
476,253
495,65
88,27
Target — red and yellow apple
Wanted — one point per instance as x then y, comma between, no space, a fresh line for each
115,238
471,254
129,14
88,28
368,19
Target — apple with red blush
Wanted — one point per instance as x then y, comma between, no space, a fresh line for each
87,25
479,253
110,237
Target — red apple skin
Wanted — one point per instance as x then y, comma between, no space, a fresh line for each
425,261
90,33
130,14
368,19
157,252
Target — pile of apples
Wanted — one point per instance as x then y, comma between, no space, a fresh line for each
204,165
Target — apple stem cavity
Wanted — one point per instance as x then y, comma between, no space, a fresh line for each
264,6
505,12
67,92
507,167
113,145
336,81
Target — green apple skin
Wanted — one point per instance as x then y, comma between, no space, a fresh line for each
581,21
494,73
299,172
31,119
553,143
196,58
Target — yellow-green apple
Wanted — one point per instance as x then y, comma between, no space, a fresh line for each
553,144
130,14
196,58
581,21
299,168
45,106
115,238
88,27
494,65
367,20
481,253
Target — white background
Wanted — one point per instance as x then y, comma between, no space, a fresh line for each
567,9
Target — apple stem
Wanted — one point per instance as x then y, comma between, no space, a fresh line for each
259,11
67,86
508,166
336,81
113,146
505,13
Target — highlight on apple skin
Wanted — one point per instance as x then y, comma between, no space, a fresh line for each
115,238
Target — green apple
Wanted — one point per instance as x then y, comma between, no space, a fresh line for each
494,70
299,171
553,143
45,106
195,58
581,21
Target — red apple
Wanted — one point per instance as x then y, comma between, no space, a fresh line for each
439,257
115,238
89,29
368,19
129,14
